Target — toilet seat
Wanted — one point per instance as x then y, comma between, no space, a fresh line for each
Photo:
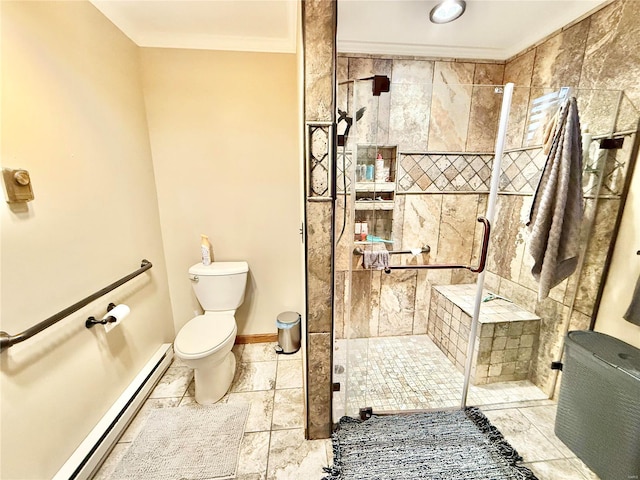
203,336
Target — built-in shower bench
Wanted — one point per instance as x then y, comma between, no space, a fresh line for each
504,341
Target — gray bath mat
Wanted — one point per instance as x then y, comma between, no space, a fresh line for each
186,443
458,445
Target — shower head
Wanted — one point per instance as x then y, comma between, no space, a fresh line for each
342,115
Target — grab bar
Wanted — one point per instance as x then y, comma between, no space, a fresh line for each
425,249
478,269
7,340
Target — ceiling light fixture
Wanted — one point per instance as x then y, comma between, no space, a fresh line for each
447,11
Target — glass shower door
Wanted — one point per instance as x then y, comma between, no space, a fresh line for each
400,341
364,212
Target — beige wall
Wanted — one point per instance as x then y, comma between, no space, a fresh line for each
73,115
224,139
625,269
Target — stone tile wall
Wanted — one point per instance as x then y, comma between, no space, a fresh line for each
318,17
398,303
432,106
599,52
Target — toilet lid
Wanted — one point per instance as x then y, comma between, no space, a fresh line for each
203,335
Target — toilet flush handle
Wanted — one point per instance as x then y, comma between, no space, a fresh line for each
195,278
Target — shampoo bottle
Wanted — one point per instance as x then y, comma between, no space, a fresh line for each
379,171
207,251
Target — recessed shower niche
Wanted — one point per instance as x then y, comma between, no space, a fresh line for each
375,191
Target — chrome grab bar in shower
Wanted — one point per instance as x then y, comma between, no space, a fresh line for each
7,340
425,249
479,268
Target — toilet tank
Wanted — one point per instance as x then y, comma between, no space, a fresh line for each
219,286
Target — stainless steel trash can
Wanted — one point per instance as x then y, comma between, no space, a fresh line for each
288,324
598,415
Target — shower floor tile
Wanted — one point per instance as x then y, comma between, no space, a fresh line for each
409,373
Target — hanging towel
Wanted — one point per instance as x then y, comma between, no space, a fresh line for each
556,213
375,259
549,132
633,312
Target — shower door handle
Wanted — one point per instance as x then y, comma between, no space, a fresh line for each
485,245
481,263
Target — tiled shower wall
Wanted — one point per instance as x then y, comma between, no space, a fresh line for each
318,17
431,107
599,52
441,194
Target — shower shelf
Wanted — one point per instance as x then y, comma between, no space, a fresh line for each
358,242
375,205
375,187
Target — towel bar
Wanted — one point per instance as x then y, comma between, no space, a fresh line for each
425,249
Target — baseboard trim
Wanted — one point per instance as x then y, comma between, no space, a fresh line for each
257,338
90,454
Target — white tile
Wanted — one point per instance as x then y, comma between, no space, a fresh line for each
555,470
328,445
544,417
291,457
288,357
174,383
254,454
190,395
583,469
259,352
288,409
289,375
254,376
260,408
523,436
237,351
177,362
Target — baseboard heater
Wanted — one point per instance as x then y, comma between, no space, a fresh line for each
88,457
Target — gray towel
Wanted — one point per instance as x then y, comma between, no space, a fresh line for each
556,213
633,312
376,259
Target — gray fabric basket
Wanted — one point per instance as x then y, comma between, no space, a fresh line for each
598,415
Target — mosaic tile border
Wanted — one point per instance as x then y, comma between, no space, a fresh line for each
471,172
319,148
521,170
444,172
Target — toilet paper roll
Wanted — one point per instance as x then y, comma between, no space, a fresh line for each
119,312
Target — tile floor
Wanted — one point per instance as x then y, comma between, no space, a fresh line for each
274,447
409,373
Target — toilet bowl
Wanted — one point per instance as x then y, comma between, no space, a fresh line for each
205,341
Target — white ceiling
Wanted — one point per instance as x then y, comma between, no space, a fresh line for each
489,29
246,25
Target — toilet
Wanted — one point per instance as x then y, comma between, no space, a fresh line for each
205,342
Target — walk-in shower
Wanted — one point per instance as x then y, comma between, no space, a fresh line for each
401,339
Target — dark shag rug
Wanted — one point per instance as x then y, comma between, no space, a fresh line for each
453,445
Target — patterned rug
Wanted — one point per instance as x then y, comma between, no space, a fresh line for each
453,445
191,443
